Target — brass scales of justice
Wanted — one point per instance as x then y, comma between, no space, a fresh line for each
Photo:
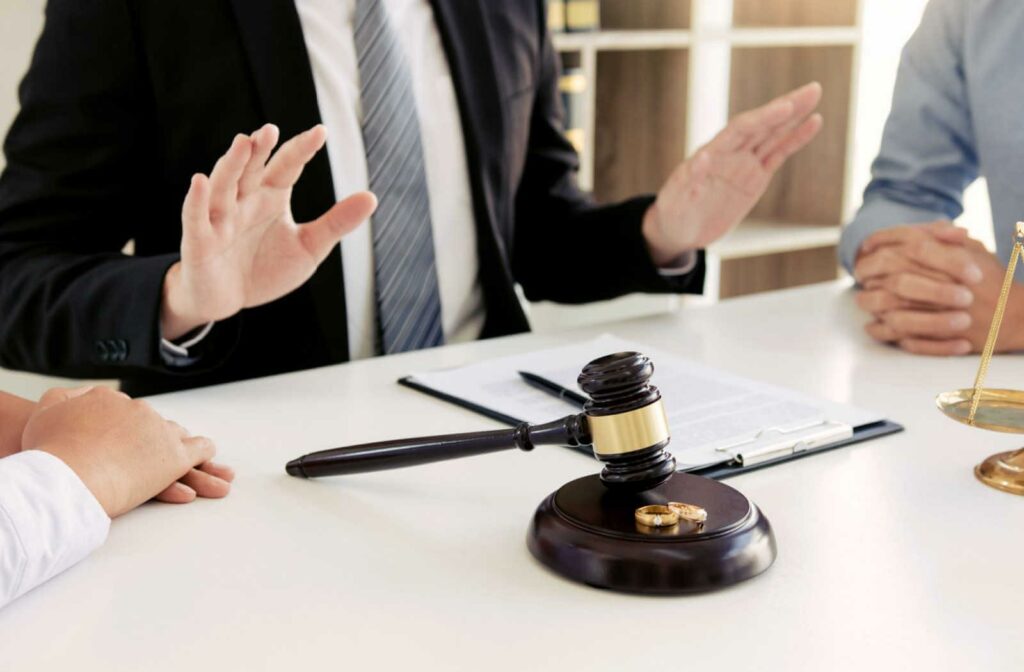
995,410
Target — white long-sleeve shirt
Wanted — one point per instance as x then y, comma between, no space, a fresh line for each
49,521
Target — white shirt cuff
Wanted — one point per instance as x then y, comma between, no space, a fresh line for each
681,265
181,349
49,521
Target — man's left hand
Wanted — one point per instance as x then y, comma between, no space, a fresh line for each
930,328
710,193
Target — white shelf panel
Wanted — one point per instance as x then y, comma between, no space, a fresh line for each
755,238
791,37
611,40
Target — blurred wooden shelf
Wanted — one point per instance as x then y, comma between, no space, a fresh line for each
664,76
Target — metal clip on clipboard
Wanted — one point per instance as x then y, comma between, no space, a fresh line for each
774,442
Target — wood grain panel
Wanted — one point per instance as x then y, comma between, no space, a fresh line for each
809,188
794,12
570,59
777,271
645,14
640,120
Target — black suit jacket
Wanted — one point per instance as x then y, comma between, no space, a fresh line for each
126,99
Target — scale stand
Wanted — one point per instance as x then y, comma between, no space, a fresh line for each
994,410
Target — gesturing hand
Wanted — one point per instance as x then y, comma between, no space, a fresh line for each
710,193
123,451
240,245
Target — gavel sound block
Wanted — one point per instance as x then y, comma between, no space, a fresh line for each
586,530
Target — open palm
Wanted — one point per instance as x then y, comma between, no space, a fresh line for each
710,193
240,245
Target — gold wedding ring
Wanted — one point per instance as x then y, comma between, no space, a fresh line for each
690,512
656,515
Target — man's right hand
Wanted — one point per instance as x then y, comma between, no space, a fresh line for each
123,451
240,245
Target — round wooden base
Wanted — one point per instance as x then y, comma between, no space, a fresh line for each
588,533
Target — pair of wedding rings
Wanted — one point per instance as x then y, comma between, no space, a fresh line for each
669,515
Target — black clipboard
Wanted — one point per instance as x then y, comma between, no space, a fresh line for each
719,471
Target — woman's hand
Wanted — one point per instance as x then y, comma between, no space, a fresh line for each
123,450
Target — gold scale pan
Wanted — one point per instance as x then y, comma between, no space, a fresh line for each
995,410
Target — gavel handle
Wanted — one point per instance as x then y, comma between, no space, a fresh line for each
571,430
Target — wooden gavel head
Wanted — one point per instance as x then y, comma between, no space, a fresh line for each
627,422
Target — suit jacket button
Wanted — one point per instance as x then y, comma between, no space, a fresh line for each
102,351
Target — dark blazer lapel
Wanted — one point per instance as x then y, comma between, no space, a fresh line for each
276,49
466,39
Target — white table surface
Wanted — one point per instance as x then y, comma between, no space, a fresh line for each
891,555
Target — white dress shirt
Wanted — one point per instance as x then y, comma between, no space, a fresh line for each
49,521
327,26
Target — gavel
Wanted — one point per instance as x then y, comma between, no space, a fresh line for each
588,530
623,421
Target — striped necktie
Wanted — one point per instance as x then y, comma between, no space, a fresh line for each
408,301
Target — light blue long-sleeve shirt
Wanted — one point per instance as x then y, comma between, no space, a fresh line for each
957,113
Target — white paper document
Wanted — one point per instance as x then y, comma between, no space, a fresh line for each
713,415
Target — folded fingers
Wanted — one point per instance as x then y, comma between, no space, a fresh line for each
883,262
905,323
925,290
953,260
198,450
205,484
936,348
933,347
221,471
897,235
879,301
176,493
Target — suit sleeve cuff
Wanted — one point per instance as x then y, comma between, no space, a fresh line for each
684,275
177,354
681,265
875,215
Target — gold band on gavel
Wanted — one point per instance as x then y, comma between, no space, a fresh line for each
629,431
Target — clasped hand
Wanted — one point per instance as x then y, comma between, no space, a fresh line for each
122,450
932,290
